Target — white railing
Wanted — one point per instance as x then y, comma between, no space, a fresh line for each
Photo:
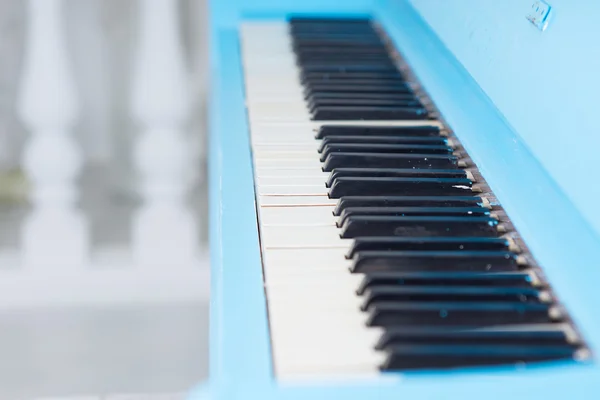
56,259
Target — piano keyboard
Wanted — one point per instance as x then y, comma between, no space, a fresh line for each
383,248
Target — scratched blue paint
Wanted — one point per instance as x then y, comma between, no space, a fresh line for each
240,359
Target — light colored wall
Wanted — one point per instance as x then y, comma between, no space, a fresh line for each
545,83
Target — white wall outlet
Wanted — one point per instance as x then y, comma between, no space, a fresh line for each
539,14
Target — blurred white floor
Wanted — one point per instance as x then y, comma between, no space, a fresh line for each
110,328
103,351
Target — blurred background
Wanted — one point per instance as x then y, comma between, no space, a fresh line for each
132,329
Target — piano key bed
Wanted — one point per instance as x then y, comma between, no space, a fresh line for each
383,247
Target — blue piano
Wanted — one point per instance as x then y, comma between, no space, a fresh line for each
403,200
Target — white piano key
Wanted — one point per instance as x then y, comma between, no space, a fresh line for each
268,83
279,117
332,297
308,236
315,333
264,78
285,108
320,256
328,346
306,276
265,144
284,139
260,142
301,129
313,342
289,162
266,175
284,273
273,93
338,270
288,77
269,97
296,201
299,154
316,180
307,176
292,190
296,215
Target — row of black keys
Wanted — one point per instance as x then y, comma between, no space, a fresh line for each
416,148
386,164
440,279
348,74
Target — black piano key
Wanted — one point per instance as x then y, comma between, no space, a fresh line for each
406,140
356,226
351,55
413,211
452,293
350,86
339,67
321,36
334,76
315,96
355,28
533,335
393,186
478,314
329,24
332,87
313,106
327,30
466,294
461,261
347,65
298,19
393,173
300,31
337,41
350,23
426,243
390,160
356,113
406,201
355,81
316,38
409,357
445,278
331,30
340,130
335,48
346,59
310,76
383,148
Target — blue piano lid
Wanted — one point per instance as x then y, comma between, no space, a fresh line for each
566,247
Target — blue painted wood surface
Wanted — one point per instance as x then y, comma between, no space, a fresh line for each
566,245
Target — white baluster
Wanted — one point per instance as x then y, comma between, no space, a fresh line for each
164,231
55,233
